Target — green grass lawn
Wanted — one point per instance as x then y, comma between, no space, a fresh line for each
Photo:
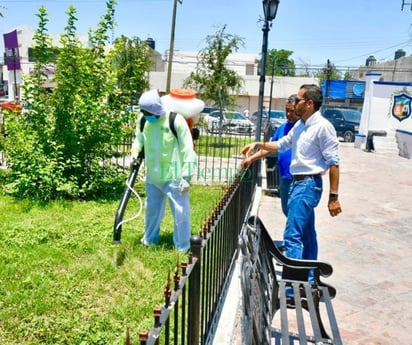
213,145
59,281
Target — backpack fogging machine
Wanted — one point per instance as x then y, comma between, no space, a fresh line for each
118,220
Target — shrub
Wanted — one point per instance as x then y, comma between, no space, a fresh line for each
59,146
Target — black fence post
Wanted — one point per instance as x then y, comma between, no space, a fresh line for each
194,292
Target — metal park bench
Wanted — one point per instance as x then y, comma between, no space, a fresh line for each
274,314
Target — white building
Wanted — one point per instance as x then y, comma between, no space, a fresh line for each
387,113
246,65
184,62
397,70
25,42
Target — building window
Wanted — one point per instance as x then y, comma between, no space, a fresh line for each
250,69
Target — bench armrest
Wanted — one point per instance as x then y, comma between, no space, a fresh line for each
292,269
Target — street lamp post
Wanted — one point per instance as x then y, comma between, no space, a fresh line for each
271,85
270,8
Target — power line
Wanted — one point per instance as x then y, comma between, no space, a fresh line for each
403,44
82,1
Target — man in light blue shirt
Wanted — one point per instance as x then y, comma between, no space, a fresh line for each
314,147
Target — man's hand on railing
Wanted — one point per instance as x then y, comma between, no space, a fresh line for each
246,162
248,149
249,156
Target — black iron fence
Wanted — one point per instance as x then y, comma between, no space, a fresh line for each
219,155
193,298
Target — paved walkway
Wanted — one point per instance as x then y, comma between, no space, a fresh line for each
369,246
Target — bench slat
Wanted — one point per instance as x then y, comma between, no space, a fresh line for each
313,313
283,313
331,316
299,314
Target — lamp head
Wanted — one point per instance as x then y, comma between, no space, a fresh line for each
270,7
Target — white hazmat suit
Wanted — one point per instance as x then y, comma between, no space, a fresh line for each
170,164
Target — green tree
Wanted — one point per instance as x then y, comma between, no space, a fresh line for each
279,63
329,71
212,79
347,75
131,61
56,148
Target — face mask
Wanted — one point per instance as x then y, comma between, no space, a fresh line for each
151,119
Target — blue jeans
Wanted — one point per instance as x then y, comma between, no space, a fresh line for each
300,234
284,187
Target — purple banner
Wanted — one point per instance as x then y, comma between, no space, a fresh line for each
11,45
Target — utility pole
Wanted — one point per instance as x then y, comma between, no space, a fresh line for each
328,73
404,3
171,47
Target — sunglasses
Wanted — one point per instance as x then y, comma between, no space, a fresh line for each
297,100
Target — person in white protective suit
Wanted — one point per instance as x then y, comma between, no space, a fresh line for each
170,162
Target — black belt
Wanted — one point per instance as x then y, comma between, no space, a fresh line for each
301,177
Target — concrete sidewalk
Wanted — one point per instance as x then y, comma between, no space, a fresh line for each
368,245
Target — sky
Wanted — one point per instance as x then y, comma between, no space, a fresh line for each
346,32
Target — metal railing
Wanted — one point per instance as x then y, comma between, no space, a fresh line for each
193,297
192,306
218,156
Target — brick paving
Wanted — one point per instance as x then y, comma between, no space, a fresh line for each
369,245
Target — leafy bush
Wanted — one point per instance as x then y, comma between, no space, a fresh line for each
60,145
